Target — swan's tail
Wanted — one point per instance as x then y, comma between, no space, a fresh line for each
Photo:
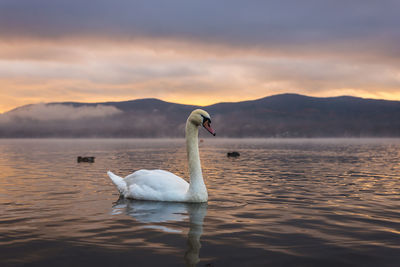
119,183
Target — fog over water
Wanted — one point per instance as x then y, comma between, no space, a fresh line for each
285,115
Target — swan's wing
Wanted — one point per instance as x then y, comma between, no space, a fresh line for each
156,185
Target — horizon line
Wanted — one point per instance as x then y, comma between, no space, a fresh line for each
189,104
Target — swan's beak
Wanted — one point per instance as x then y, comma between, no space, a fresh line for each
207,125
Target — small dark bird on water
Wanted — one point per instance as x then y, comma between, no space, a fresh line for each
233,154
85,159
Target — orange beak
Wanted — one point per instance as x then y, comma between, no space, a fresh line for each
207,125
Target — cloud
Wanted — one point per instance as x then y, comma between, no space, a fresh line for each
196,52
53,112
113,72
259,23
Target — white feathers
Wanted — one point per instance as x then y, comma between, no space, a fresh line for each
161,185
155,185
118,182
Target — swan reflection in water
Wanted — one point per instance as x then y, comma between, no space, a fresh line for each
149,212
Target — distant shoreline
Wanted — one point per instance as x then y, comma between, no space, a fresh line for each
278,116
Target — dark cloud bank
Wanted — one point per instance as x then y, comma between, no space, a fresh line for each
277,116
235,22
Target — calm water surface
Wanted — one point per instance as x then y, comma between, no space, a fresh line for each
284,202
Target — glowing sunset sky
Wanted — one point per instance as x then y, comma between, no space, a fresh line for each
196,52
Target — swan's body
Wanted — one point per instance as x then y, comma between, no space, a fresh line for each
162,185
151,185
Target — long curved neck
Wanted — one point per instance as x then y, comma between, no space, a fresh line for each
197,187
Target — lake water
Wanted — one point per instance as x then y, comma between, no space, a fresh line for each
307,202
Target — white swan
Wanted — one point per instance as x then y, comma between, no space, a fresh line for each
161,185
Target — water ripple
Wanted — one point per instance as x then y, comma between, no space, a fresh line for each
282,202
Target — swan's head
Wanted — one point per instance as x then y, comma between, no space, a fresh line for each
200,117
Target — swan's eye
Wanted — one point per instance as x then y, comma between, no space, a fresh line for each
206,119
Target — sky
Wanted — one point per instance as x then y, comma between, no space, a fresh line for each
196,52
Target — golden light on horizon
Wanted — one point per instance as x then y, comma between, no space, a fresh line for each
95,70
191,54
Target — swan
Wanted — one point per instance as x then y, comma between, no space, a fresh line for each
160,185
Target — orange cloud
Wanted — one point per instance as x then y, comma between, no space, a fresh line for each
96,70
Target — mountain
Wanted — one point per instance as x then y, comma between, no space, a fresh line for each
285,115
